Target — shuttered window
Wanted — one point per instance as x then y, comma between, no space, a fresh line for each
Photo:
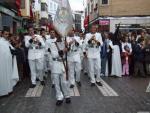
104,2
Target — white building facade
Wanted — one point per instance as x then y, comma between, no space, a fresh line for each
78,17
40,9
52,7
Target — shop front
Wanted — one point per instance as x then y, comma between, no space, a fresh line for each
104,25
128,24
9,20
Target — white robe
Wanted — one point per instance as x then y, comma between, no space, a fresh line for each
8,68
116,61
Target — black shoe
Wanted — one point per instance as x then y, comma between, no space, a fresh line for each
92,84
32,86
99,83
10,93
59,102
85,73
49,71
79,84
71,86
53,85
134,75
37,79
42,83
115,76
44,78
68,100
143,76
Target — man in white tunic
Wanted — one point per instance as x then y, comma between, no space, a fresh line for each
81,43
46,53
84,60
74,59
48,43
35,43
94,41
58,71
8,66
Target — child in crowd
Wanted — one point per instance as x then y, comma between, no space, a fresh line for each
126,54
126,60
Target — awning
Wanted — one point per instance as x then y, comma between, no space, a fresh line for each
18,4
86,21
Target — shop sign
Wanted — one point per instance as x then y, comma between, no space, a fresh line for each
104,22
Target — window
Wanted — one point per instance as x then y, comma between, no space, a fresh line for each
92,7
51,5
88,9
104,2
54,6
22,4
43,7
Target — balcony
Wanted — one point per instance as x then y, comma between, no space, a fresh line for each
11,4
44,14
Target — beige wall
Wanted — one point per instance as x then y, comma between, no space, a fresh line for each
26,11
125,8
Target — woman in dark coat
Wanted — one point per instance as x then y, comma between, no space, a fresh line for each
147,55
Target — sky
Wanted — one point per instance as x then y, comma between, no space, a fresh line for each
76,5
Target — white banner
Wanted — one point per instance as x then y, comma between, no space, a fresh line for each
63,21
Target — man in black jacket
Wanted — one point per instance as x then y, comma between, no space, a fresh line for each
138,57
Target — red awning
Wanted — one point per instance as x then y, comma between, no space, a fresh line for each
31,12
18,5
50,26
86,21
